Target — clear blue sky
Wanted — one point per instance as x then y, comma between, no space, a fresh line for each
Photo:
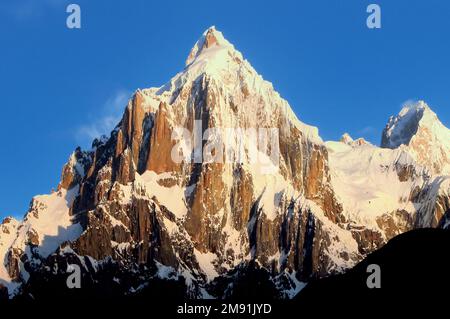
58,87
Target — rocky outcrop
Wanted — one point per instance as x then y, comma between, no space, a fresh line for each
395,223
13,260
368,240
435,197
74,170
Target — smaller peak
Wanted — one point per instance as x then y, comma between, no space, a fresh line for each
346,138
9,220
420,131
360,141
401,128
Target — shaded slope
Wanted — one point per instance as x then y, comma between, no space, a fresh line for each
414,268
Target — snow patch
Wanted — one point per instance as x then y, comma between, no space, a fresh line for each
205,261
173,198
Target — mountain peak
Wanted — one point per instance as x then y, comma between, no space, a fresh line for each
210,38
214,58
346,138
401,128
419,130
8,220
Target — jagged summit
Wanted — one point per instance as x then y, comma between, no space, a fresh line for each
401,128
7,219
346,138
418,129
210,38
213,54
214,62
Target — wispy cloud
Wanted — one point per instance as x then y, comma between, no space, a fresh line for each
108,117
367,130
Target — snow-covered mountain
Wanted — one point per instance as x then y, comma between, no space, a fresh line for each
418,130
402,185
385,190
130,215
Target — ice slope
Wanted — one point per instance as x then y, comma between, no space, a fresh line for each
365,179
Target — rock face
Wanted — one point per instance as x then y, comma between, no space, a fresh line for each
207,218
145,204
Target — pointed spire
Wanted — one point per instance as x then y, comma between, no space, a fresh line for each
210,38
346,138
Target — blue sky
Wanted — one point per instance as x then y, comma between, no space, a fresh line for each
58,87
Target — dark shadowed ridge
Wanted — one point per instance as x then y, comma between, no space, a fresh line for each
415,276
